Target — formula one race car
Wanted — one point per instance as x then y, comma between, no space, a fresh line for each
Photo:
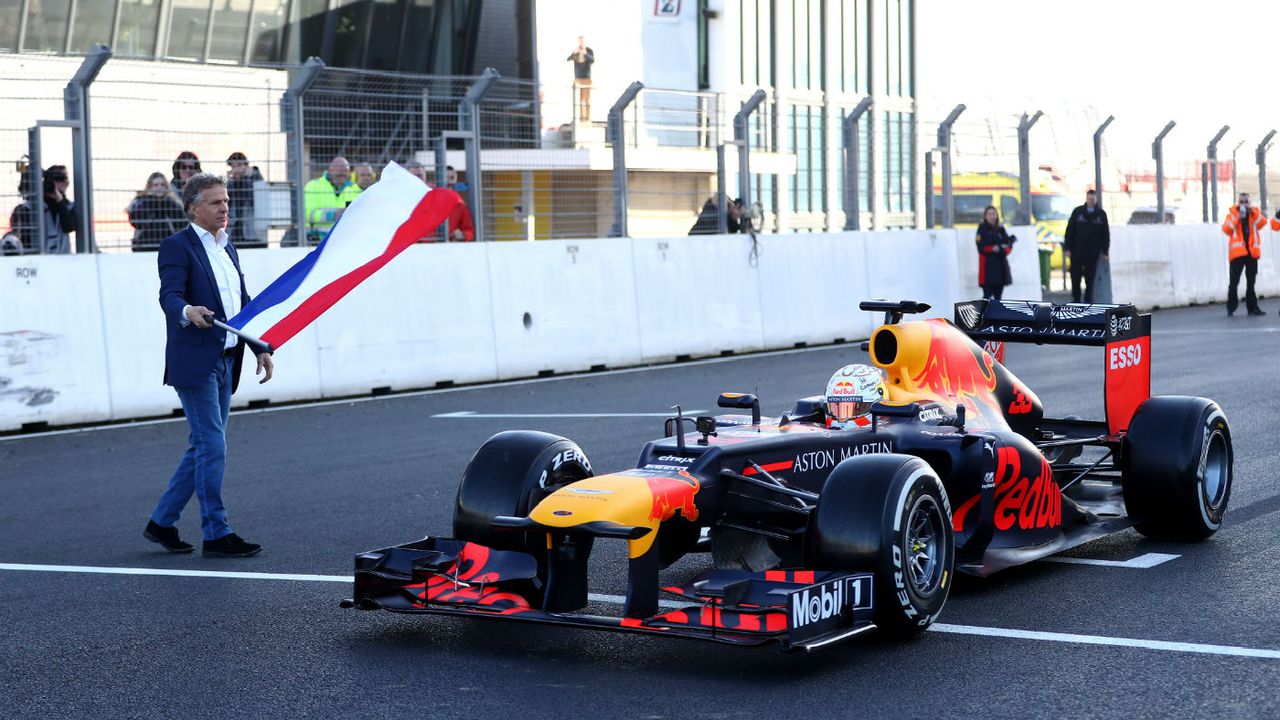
816,532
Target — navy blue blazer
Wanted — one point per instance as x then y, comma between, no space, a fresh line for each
186,278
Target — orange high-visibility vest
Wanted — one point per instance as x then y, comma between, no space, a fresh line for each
1236,247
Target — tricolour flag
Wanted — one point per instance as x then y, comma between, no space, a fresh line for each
391,215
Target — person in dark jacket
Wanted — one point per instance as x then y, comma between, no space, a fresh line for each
155,214
241,177
708,222
994,245
184,167
59,215
1088,240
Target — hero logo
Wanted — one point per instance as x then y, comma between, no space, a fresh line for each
572,455
825,601
1123,356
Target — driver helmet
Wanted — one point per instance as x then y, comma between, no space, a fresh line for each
852,390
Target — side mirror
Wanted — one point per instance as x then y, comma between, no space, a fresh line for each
741,401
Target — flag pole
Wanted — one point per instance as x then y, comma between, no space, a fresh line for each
247,337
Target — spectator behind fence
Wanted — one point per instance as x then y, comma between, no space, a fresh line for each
155,214
1088,240
327,196
994,245
708,222
415,169
461,227
1244,247
200,280
59,214
240,181
365,176
184,167
583,58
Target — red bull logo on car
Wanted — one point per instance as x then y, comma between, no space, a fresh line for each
954,370
672,494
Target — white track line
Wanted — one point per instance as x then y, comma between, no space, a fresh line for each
1161,645
1109,641
1142,562
471,414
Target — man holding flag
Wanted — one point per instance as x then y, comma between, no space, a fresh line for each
200,282
201,286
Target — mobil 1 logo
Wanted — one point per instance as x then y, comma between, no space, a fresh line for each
827,606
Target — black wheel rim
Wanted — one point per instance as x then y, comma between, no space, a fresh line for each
925,546
1214,471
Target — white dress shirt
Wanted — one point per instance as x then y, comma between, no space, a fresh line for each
224,273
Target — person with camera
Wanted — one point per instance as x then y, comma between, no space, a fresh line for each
1244,248
59,215
994,245
155,214
241,179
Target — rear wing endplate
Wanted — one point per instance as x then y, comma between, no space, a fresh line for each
1121,330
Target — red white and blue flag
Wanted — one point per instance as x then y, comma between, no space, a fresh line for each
391,215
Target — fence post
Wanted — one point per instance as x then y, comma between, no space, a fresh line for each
75,105
1204,192
1213,170
1097,156
1157,154
36,187
442,175
944,145
615,134
469,121
740,136
928,194
291,125
1024,164
1262,170
853,165
722,193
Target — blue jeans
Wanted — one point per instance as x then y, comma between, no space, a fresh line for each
200,471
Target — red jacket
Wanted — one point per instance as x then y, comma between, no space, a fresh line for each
460,219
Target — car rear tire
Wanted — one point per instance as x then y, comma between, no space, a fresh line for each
509,475
1178,467
888,515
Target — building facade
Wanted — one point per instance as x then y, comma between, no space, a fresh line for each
546,153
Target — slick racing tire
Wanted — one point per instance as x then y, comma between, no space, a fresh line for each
509,475
1177,467
889,515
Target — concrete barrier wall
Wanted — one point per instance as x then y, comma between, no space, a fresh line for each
82,337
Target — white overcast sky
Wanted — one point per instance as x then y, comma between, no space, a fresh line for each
1203,64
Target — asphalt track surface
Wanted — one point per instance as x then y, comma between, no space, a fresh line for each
318,484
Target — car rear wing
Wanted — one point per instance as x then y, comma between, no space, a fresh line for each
1124,332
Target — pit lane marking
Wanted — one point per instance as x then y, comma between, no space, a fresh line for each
234,575
1142,562
473,414
1010,633
1164,645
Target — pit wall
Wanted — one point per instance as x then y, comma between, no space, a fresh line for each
82,337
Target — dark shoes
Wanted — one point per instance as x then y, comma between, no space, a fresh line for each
230,546
166,536
1258,312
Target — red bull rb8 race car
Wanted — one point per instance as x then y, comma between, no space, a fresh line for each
819,532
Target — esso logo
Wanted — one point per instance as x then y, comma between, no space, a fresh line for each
1125,356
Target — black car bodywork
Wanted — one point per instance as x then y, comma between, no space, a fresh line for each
816,532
